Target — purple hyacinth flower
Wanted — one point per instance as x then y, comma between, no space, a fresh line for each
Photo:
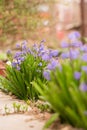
45,57
65,55
35,48
84,48
41,47
64,44
22,58
83,87
9,52
46,74
29,51
52,65
41,53
76,43
74,54
19,62
74,35
14,64
84,57
77,75
53,53
18,45
84,68
24,43
43,41
18,68
18,54
24,46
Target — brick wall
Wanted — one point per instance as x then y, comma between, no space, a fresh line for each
84,17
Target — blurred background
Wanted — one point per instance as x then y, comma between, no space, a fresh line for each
35,20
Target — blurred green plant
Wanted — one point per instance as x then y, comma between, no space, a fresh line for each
26,66
42,106
20,74
67,89
17,108
64,94
20,107
7,110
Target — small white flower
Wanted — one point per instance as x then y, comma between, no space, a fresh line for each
8,63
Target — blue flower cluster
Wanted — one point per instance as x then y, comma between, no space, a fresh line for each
72,44
76,50
38,51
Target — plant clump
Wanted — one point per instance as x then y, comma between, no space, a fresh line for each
66,91
26,66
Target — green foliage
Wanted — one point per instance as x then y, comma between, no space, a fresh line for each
50,121
24,67
42,106
20,107
65,95
19,82
7,110
16,108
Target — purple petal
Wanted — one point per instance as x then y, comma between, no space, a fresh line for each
24,42
84,57
64,44
18,45
35,48
74,54
76,44
84,68
52,65
84,48
77,75
74,35
54,53
65,55
9,52
18,54
18,68
41,47
14,64
45,57
46,75
83,87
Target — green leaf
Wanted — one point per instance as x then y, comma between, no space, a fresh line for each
53,118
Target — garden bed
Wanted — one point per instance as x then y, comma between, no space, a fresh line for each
52,83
